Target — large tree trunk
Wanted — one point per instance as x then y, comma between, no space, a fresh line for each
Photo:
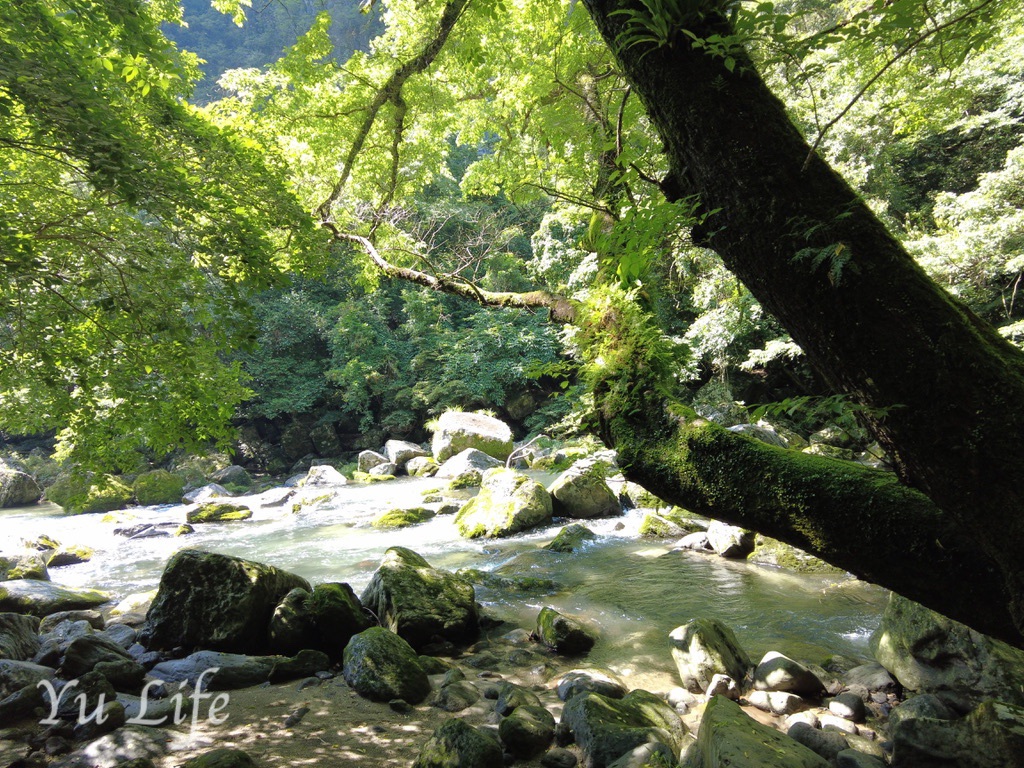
867,317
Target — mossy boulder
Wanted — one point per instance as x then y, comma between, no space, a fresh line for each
30,565
80,494
41,598
581,492
508,503
520,585
224,757
208,600
768,551
728,736
421,603
571,538
17,488
19,636
705,648
369,477
991,736
457,744
528,731
421,466
218,512
158,487
323,619
568,636
381,666
402,518
929,653
456,431
605,729
69,554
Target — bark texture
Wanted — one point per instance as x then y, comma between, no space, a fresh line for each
868,318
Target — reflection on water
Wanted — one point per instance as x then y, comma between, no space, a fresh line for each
635,592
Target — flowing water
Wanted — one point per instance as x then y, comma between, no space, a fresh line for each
634,591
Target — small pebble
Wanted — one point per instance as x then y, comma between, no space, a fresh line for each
309,682
296,717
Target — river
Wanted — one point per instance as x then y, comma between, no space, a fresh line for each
633,590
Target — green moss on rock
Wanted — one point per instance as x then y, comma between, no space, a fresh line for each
79,494
402,518
214,512
158,487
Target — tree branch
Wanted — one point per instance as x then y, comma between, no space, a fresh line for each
561,309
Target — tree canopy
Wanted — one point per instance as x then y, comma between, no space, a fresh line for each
674,166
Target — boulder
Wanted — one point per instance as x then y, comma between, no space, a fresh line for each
323,476
158,487
94,652
41,598
206,493
456,696
399,452
571,538
214,512
402,518
220,671
79,494
693,542
511,696
15,675
457,744
233,475
605,729
565,634
323,619
825,744
381,666
923,705
704,648
849,706
602,681
508,503
581,491
456,431
69,554
469,460
17,488
421,466
29,565
929,653
776,702
729,540
776,672
19,639
991,736
728,736
208,600
528,731
421,603
367,460
382,471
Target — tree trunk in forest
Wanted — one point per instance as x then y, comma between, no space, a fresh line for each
947,392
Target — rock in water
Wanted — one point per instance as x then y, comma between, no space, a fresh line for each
466,462
421,603
399,452
605,729
457,744
571,538
729,540
581,491
508,503
41,598
207,600
563,633
381,666
705,648
458,431
929,653
213,512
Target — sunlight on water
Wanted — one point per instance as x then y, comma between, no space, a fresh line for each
633,590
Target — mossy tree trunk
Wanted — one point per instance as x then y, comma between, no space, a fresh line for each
869,320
